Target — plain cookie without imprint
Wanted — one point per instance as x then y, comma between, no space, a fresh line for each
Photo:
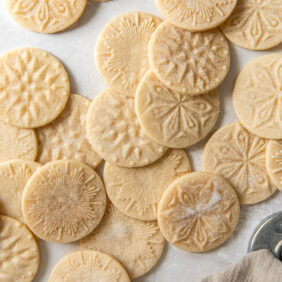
63,201
34,87
88,265
136,244
198,212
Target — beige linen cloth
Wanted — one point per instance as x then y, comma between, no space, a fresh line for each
259,266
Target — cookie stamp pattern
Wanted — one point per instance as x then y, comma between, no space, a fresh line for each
115,133
63,201
257,96
137,244
239,157
66,138
122,50
255,24
31,83
198,212
88,265
189,62
19,253
46,16
196,15
137,191
173,119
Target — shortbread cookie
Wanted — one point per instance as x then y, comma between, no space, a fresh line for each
46,16
122,50
198,212
257,96
63,201
196,15
115,133
137,244
189,62
173,119
88,265
274,162
239,156
137,191
255,25
34,87
66,138
19,259
17,143
13,178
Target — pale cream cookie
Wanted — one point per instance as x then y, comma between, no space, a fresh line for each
115,133
34,87
196,15
137,244
122,50
239,156
137,191
17,143
173,119
257,96
255,24
198,212
88,265
63,201
19,253
189,62
45,16
66,138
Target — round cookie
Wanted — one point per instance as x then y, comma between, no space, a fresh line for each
196,15
45,16
63,201
173,119
189,62
257,96
137,244
274,162
198,212
137,191
19,253
17,143
66,138
13,178
239,157
255,25
115,133
122,50
34,87
88,265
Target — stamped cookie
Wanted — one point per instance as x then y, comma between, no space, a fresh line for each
122,50
137,244
198,212
88,265
34,87
45,16
255,25
274,162
19,253
17,143
115,133
196,15
189,62
63,201
257,96
239,156
66,138
137,191
173,119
